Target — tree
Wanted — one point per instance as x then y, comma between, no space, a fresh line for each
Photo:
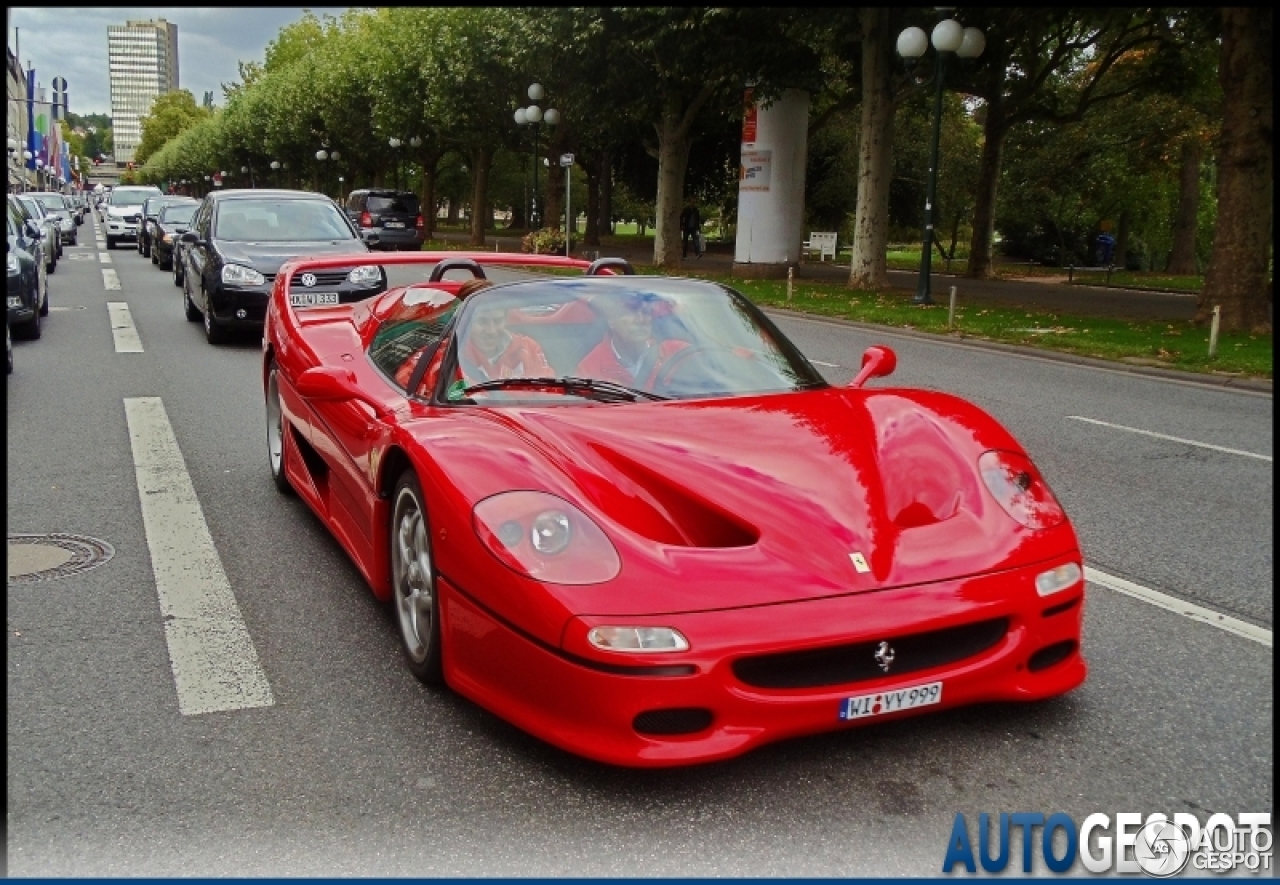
171,114
1051,65
1238,279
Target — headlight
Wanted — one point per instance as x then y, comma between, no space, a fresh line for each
637,639
238,275
1060,578
1017,485
365,274
544,537
11,264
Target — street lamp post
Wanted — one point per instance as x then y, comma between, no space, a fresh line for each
949,37
275,168
534,116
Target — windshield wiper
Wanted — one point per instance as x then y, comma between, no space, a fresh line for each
591,388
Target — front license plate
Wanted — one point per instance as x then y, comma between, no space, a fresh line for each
883,702
312,299
394,224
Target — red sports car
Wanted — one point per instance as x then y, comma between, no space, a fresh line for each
627,515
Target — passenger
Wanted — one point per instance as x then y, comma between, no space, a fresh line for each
492,351
629,353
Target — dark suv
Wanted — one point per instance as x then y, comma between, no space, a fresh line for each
394,216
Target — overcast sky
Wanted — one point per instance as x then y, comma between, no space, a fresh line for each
71,42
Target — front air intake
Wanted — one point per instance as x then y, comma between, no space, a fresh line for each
674,721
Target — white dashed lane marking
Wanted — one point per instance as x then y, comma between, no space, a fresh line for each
122,328
215,665
1190,610
110,280
1177,439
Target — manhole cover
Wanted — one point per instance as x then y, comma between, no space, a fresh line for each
45,557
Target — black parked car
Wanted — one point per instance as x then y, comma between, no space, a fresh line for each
147,218
173,220
239,239
27,286
394,216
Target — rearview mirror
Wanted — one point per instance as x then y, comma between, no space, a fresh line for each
328,384
877,362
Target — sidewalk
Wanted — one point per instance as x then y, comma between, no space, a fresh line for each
1097,301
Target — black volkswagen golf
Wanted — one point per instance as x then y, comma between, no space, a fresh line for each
239,239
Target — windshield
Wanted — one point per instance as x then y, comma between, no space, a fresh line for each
52,201
131,196
178,214
407,203
673,338
280,221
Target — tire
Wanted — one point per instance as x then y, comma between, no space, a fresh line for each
44,303
276,432
193,313
413,582
176,265
111,243
155,259
214,332
30,330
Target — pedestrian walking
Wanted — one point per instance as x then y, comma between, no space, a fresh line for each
690,230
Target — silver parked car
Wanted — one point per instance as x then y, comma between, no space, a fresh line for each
49,231
58,207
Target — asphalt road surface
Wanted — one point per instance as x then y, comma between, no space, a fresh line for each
341,764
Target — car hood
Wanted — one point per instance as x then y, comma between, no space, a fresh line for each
760,500
268,257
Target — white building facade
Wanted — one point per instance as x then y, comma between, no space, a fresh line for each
142,58
16,123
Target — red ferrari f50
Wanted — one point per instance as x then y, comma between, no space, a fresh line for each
625,513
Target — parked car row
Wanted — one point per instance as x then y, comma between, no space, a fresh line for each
28,263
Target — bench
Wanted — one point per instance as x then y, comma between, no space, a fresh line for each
1072,270
822,242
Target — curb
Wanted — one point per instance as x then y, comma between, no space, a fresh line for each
1242,384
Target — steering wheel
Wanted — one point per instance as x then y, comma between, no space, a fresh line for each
665,380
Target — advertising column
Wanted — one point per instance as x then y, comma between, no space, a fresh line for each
771,185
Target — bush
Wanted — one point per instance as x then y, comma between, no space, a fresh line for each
546,241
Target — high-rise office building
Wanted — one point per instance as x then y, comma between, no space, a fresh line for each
143,61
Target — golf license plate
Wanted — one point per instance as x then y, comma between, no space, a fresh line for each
312,299
883,702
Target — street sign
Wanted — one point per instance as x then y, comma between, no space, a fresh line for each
566,159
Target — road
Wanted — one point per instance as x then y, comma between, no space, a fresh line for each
347,766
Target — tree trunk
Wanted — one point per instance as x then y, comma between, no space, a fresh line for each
868,267
606,192
1237,278
427,199
451,217
591,236
673,160
1182,257
984,210
481,160
1122,239
553,178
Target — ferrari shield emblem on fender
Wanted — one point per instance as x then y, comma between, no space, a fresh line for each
860,563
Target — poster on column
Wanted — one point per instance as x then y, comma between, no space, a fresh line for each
757,166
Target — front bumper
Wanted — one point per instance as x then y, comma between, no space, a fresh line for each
119,227
571,698
227,302
21,299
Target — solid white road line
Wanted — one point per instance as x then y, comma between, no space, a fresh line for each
122,328
104,257
1187,609
215,666
110,280
821,363
1177,439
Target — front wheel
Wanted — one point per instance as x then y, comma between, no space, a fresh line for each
193,314
214,332
413,582
276,431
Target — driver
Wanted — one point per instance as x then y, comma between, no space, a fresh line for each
492,351
629,354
